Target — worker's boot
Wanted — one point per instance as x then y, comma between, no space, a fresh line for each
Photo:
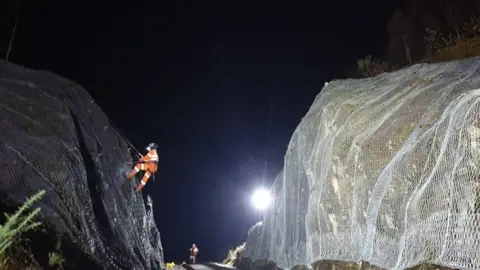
139,188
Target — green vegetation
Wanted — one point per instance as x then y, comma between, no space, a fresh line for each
15,255
22,221
427,32
55,259
233,255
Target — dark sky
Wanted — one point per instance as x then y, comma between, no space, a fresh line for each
201,78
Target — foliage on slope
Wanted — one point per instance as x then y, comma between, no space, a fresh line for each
12,254
233,255
26,243
427,32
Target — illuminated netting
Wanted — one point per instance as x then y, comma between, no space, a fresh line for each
385,170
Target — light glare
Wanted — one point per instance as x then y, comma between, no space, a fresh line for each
261,199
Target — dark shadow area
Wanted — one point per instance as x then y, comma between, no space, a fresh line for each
107,233
139,255
99,211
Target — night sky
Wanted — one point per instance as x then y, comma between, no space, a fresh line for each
219,86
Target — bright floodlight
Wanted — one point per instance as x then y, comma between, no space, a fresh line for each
261,199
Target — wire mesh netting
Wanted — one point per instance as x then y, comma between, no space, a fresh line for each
385,170
54,137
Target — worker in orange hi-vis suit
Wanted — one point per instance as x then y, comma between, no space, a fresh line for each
147,163
193,254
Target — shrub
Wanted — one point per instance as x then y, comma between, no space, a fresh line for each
56,259
20,222
233,255
370,68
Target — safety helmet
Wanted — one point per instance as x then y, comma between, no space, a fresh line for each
152,146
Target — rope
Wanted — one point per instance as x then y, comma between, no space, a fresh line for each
131,147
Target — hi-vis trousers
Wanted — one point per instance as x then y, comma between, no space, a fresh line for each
149,167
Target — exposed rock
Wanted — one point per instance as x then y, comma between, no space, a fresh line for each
243,263
55,138
384,170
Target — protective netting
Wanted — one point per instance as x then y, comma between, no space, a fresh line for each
54,137
385,170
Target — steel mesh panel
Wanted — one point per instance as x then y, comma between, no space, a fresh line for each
385,170
54,137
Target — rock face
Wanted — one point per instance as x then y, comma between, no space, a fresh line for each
384,170
54,137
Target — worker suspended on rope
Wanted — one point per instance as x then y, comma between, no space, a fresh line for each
147,163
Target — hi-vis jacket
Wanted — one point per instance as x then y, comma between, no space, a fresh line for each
149,164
